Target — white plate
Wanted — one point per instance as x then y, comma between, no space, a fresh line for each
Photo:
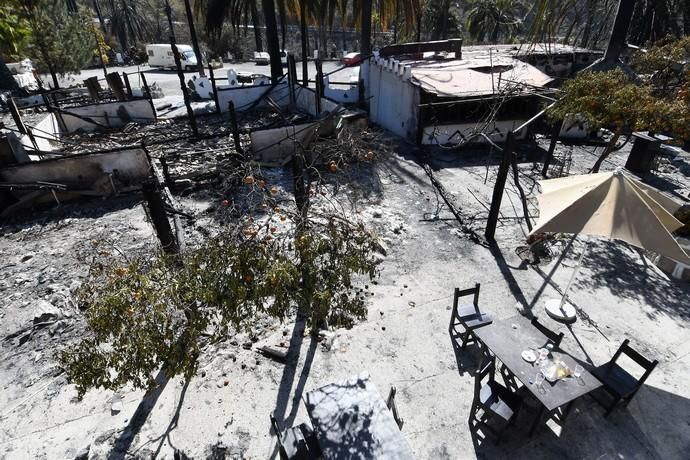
529,355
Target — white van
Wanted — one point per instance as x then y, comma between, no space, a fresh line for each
161,55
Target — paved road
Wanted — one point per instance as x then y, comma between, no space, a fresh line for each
169,82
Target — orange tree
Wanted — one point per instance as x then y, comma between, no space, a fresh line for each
613,100
157,312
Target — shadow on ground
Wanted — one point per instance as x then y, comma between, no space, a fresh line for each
656,425
621,269
288,391
51,214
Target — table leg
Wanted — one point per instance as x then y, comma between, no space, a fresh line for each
537,419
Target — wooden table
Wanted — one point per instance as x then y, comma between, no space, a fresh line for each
352,421
507,343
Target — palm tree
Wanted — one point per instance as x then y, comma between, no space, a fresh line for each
216,12
130,19
388,10
493,19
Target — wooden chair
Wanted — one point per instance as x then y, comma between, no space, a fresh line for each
495,401
467,316
552,336
390,402
296,443
620,384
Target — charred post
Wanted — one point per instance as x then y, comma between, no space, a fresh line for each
234,127
213,86
159,218
499,187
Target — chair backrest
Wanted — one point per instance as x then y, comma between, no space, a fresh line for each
465,292
390,402
484,373
552,336
643,362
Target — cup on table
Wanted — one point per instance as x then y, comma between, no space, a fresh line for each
577,372
543,354
539,381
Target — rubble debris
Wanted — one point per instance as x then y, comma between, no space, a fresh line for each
276,146
46,313
60,179
274,352
116,404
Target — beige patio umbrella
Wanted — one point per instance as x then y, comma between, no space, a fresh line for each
611,205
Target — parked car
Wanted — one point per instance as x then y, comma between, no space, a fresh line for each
161,55
352,59
261,58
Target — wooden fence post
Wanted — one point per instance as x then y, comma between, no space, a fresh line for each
235,128
213,86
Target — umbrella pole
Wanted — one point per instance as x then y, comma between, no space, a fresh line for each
561,310
572,277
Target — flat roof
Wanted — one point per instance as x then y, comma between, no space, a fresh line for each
475,76
485,69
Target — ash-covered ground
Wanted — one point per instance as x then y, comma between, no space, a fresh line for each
224,410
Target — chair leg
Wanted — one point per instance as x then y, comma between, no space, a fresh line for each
508,379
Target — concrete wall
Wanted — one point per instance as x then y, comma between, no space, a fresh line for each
277,145
128,167
139,110
456,133
393,99
45,131
574,128
305,99
244,96
340,93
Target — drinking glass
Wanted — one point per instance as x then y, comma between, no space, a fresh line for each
539,381
577,372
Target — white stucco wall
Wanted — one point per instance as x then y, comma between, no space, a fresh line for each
45,131
305,99
244,96
453,133
340,93
139,110
393,99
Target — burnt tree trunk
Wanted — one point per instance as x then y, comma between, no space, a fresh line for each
257,29
366,28
304,32
195,42
272,39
